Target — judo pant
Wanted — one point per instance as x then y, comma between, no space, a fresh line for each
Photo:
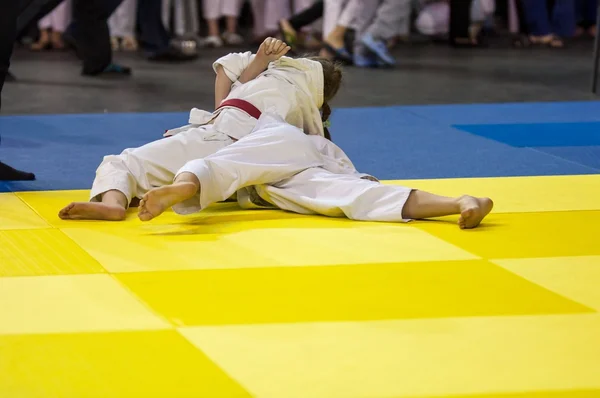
136,171
319,191
285,169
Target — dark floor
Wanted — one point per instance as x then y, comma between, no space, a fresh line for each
427,74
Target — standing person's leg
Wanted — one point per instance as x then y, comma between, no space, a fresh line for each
122,25
365,14
154,37
258,16
289,27
8,32
332,9
212,14
536,16
92,34
44,26
563,18
231,10
390,15
460,21
61,18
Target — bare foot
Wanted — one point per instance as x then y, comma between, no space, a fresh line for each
156,201
92,211
473,211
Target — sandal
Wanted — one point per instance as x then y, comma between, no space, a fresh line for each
338,54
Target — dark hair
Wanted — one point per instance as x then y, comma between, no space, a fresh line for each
332,80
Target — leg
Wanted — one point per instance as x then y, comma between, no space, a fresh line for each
337,195
212,13
155,202
460,11
153,34
231,10
121,178
258,15
332,9
112,208
563,18
93,36
390,15
421,205
536,15
306,16
265,156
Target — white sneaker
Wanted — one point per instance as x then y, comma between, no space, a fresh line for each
212,41
233,39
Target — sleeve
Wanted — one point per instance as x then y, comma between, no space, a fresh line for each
234,64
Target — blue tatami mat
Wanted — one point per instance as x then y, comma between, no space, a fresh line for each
390,142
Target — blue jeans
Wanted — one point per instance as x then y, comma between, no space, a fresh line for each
541,21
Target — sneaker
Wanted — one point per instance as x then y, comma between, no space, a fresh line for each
212,41
233,39
365,61
378,47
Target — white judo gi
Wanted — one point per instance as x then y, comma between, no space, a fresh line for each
278,166
289,88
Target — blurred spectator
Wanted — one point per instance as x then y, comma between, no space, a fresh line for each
122,26
434,17
548,25
586,17
52,27
378,22
214,10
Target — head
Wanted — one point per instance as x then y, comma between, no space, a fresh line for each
332,80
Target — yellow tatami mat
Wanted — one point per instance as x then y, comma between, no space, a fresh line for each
232,303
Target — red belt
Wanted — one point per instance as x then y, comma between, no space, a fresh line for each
242,105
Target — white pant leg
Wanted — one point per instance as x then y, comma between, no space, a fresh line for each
258,13
135,171
166,13
122,21
318,191
332,9
301,5
349,14
179,18
434,19
212,9
46,22
275,11
61,16
265,156
231,8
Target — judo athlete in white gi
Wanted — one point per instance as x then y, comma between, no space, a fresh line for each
278,166
298,90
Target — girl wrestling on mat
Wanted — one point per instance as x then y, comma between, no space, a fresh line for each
297,90
278,166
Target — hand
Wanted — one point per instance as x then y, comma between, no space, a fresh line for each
272,49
